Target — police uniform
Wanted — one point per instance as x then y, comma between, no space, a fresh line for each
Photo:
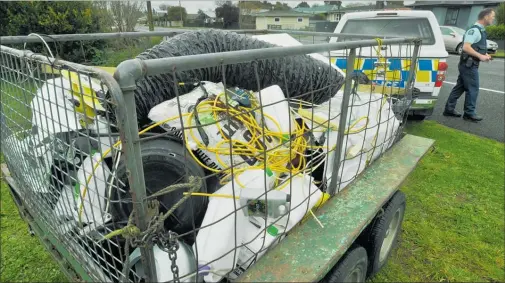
468,79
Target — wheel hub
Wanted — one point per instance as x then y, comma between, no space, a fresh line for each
390,235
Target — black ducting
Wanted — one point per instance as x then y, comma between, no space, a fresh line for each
303,74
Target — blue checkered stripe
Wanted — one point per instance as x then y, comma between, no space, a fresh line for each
426,70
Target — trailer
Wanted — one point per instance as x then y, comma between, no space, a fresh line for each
214,156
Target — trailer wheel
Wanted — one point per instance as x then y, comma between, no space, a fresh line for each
352,267
384,233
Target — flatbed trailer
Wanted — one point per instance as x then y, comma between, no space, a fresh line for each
349,238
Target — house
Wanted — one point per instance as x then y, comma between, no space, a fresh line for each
158,12
333,13
282,19
462,14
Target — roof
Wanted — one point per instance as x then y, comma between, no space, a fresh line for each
211,14
453,3
318,9
358,8
330,9
282,13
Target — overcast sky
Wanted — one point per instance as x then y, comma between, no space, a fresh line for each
192,6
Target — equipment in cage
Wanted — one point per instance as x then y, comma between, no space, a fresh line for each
263,219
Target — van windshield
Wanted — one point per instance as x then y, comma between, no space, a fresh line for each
390,27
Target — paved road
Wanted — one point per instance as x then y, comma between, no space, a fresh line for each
490,104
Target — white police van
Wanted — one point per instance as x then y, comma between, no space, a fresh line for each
432,63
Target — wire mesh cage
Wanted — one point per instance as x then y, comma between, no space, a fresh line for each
198,156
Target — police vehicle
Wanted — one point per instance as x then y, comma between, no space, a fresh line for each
390,68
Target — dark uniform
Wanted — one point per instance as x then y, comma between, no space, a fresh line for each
468,79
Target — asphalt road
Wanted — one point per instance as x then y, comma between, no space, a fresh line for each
490,103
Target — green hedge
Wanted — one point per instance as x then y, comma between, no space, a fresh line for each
496,32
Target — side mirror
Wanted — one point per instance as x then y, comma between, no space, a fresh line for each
453,34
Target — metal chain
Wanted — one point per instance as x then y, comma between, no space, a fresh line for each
168,243
173,246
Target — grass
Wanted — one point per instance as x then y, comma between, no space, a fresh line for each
499,54
453,228
22,258
114,56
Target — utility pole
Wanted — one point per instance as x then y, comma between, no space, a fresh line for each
239,15
150,16
180,11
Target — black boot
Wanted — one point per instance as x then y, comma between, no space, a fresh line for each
473,118
452,113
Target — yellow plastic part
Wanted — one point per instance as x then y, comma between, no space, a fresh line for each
85,94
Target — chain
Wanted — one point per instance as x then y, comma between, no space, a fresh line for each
170,245
173,246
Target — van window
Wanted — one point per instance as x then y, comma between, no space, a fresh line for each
390,27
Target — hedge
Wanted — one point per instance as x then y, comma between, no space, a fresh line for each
496,32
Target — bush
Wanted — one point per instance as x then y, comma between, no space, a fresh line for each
496,32
23,18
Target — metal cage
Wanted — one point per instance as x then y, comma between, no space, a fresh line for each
218,176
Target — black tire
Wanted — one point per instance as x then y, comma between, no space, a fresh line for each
417,117
380,236
352,267
165,164
459,48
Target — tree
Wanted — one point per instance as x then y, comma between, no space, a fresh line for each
125,14
315,5
174,13
281,6
229,13
500,14
303,5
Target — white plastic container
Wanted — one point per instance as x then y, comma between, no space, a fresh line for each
91,199
329,111
218,240
52,108
185,262
278,110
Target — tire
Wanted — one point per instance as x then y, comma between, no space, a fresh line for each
417,117
459,48
352,267
164,165
383,234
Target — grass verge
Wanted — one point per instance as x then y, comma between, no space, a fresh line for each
499,54
453,228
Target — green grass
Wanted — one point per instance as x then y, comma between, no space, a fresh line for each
114,56
453,228
499,54
22,258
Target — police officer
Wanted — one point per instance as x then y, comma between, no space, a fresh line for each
474,52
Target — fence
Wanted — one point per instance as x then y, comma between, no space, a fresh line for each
197,156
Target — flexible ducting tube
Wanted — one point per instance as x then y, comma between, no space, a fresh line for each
307,78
